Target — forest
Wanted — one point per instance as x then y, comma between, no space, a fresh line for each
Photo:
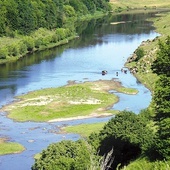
26,16
31,25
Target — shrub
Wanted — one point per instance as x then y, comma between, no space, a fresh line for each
139,53
127,134
64,155
29,42
3,53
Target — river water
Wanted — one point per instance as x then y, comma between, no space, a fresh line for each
101,46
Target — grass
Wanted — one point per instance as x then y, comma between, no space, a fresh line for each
10,147
143,164
84,129
119,5
127,90
65,102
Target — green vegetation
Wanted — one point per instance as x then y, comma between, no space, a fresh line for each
65,155
130,141
144,163
10,147
128,135
65,102
161,99
28,26
84,129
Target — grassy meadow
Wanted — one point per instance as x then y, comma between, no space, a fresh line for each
119,5
84,129
10,147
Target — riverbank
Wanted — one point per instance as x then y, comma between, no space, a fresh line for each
142,67
14,48
73,101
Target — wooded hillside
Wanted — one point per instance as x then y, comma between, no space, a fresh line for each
24,16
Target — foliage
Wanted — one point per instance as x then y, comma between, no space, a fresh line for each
162,100
144,163
64,155
139,53
161,64
127,133
26,16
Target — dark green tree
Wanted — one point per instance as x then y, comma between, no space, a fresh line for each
128,135
3,19
162,63
25,17
161,98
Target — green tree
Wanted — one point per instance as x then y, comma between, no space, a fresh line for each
161,98
162,63
139,53
163,139
3,19
64,155
128,135
25,17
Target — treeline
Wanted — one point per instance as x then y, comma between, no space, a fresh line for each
125,137
25,16
30,25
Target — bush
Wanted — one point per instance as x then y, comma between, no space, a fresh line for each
13,50
64,155
23,48
139,53
127,134
29,42
3,53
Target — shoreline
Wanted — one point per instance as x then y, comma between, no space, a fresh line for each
81,117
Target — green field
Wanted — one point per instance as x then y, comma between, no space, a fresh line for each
142,4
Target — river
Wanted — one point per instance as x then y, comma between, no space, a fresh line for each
101,46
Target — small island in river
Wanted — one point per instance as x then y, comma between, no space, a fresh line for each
73,101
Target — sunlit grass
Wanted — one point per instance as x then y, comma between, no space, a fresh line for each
10,147
143,164
84,129
124,4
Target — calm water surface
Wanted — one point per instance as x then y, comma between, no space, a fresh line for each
101,46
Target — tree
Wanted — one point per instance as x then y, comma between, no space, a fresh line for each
162,63
161,98
68,155
139,53
128,135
